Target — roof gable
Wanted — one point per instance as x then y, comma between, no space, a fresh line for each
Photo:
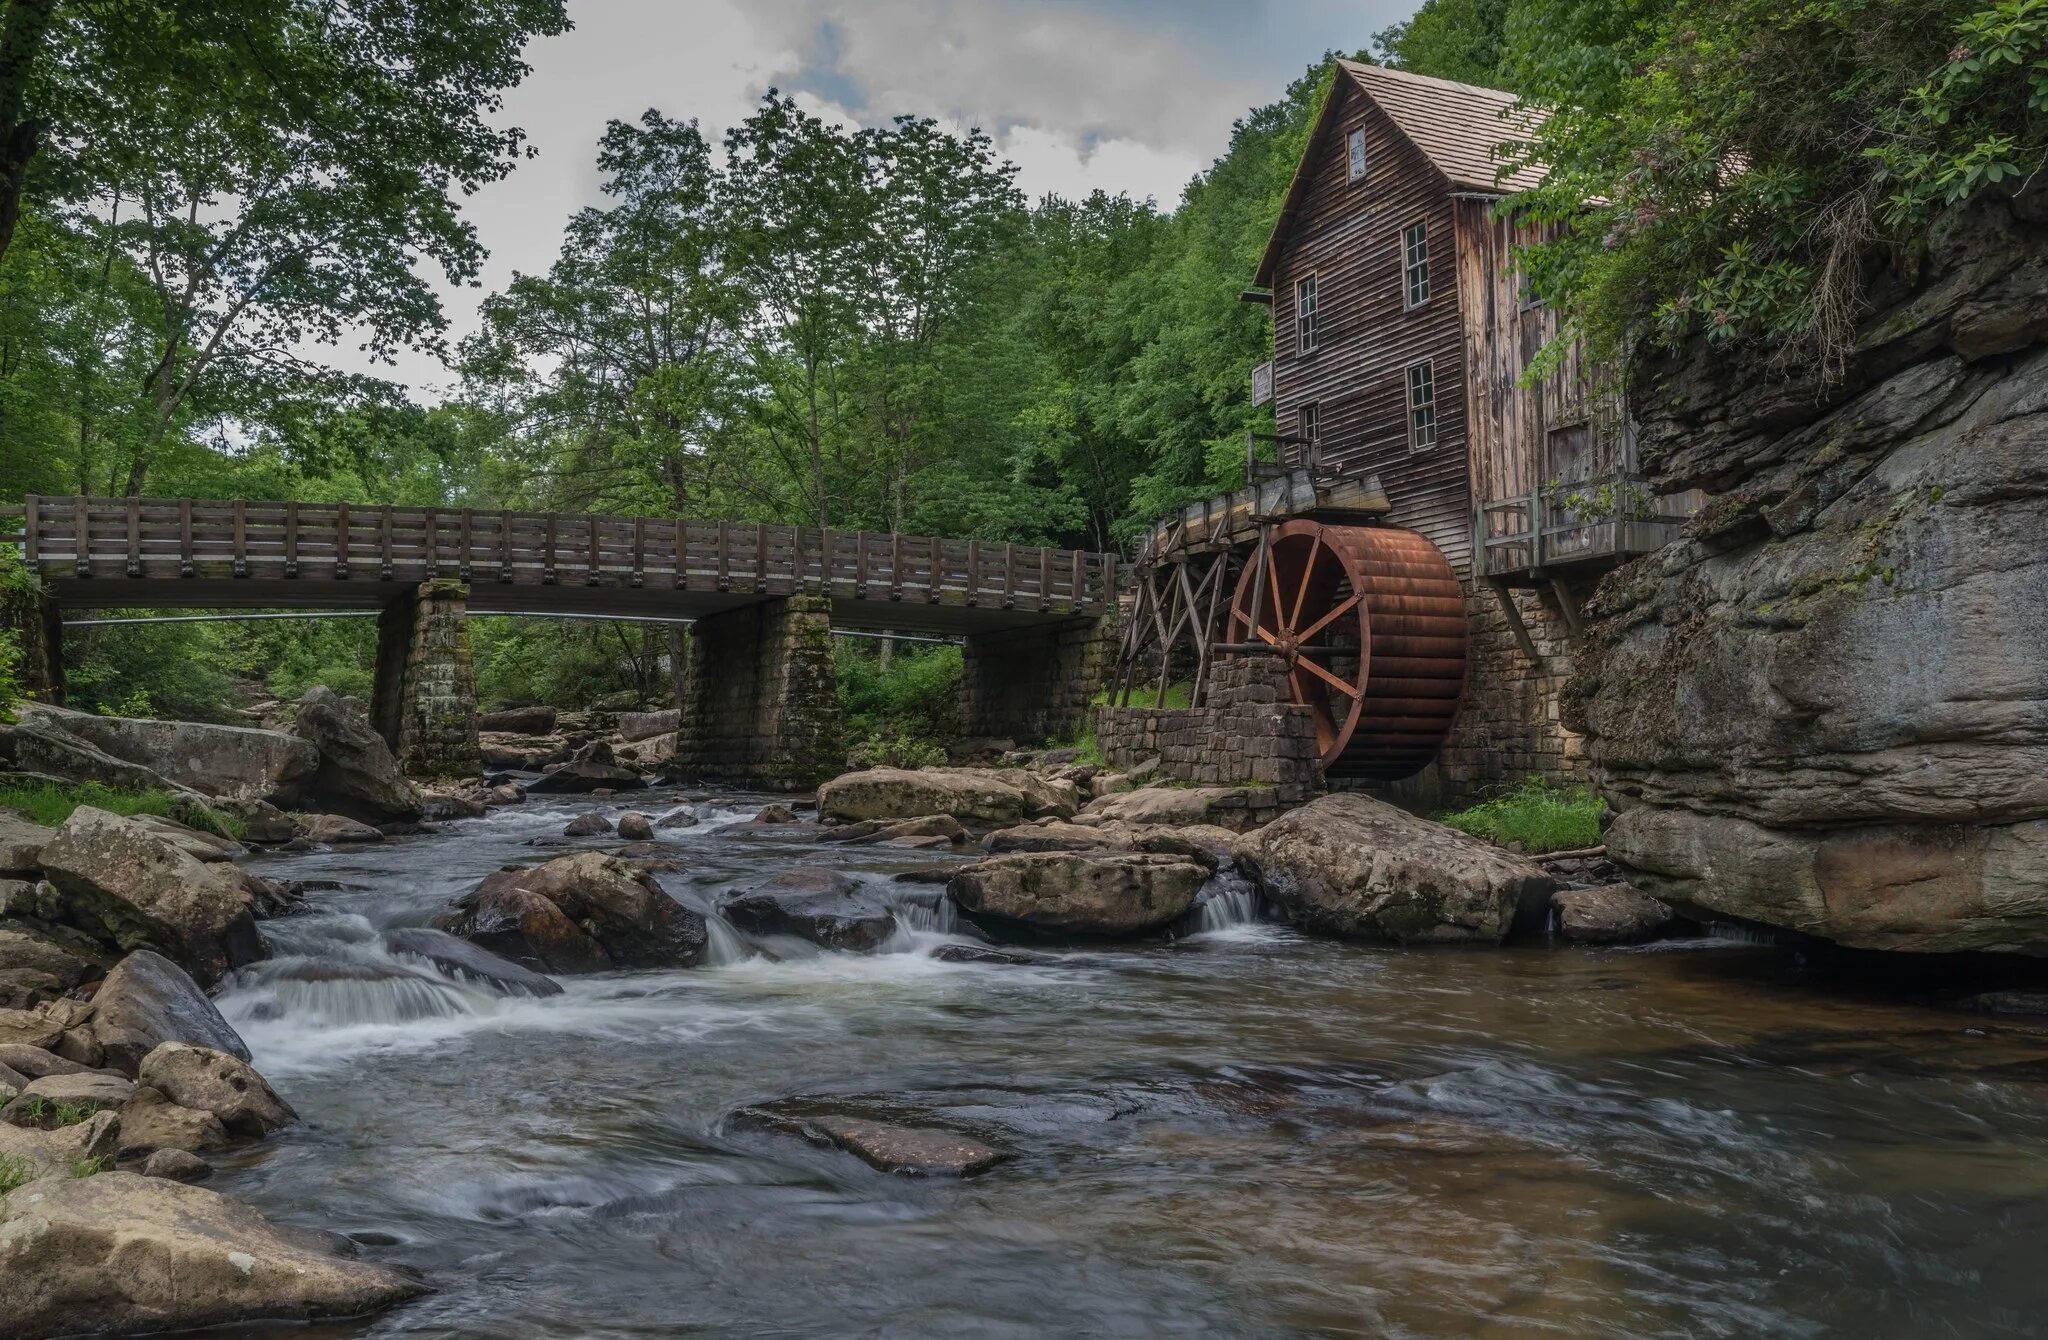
1455,127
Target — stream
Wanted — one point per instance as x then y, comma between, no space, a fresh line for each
1238,1132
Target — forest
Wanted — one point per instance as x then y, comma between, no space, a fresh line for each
849,326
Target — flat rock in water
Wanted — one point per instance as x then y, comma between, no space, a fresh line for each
1076,893
123,1253
179,1165
826,907
958,953
910,1151
1054,836
682,818
581,913
967,794
460,958
146,1001
587,825
582,778
337,830
1176,806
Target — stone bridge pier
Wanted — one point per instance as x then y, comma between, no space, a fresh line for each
1035,683
759,697
31,615
424,699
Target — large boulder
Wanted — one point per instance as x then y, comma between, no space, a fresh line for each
40,746
826,907
1233,807
59,1100
1608,914
357,775
151,1121
134,888
1076,893
610,906
1351,866
647,725
522,753
538,720
582,777
971,795
125,1253
146,1001
22,952
1823,708
210,1081
337,830
236,761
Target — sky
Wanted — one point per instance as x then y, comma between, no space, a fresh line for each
1127,95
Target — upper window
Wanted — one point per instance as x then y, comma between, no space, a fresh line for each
1356,148
1305,314
1309,422
1415,264
1421,406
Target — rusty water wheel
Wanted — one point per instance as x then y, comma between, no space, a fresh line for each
1371,623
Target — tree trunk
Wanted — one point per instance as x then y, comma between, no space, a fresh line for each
21,48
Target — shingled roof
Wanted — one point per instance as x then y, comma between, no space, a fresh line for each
1457,127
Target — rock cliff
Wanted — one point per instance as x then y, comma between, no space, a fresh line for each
1827,709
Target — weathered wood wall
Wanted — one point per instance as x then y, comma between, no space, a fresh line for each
1350,235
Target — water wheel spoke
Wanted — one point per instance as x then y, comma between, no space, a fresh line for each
1335,613
1308,575
1348,690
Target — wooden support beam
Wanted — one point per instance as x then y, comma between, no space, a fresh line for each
1568,605
1513,612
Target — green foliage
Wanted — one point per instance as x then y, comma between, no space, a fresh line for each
1733,168
16,586
51,803
1451,39
1179,694
1538,817
898,713
91,1167
15,1173
44,1114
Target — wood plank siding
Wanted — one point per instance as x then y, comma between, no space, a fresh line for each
1349,235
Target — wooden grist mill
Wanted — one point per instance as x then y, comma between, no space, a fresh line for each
1368,618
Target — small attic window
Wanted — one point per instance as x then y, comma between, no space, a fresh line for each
1356,150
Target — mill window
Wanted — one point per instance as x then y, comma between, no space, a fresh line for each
1356,149
1305,314
1415,267
1421,406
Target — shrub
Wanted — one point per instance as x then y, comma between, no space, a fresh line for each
1537,816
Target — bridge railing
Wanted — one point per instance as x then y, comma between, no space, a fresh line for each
189,539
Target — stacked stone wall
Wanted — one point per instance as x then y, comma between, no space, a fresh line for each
1246,733
1034,684
436,715
759,697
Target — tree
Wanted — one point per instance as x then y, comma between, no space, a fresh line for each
1450,39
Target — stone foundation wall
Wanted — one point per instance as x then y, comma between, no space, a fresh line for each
430,720
1247,733
1034,684
759,697
33,618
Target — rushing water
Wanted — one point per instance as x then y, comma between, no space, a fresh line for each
1241,1132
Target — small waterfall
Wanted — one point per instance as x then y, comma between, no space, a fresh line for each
924,909
1230,901
722,944
361,988
1738,933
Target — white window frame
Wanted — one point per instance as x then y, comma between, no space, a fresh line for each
1354,154
1308,421
1415,265
1307,311
1422,418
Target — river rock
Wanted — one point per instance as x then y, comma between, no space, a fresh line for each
47,1102
588,824
1054,835
178,1165
775,814
909,1151
460,958
39,745
146,1001
1074,893
357,776
522,753
337,830
211,1081
636,726
21,844
869,832
28,1028
20,951
987,954
1822,709
1234,807
618,909
1609,914
151,1121
826,907
196,843
130,887
125,1253
53,1153
581,778
217,760
681,818
636,827
970,795
537,720
35,1063
1351,866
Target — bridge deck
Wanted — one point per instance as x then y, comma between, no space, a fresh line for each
191,554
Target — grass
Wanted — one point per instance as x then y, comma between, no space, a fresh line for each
1538,817
38,1110
51,803
90,1167
1176,695
14,1173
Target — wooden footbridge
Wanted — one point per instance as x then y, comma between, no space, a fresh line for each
764,598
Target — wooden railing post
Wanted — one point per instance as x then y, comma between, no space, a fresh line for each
31,523
291,538
462,563
860,565
240,565
760,557
81,545
384,565
936,579
135,537
547,562
185,568
639,550
724,556
341,540
974,572
505,545
593,570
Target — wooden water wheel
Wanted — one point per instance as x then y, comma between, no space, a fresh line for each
1371,623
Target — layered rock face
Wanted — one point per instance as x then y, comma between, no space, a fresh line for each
1827,710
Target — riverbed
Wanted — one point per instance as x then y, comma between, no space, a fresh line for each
1238,1132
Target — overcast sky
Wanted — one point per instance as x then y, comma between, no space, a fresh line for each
1126,95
